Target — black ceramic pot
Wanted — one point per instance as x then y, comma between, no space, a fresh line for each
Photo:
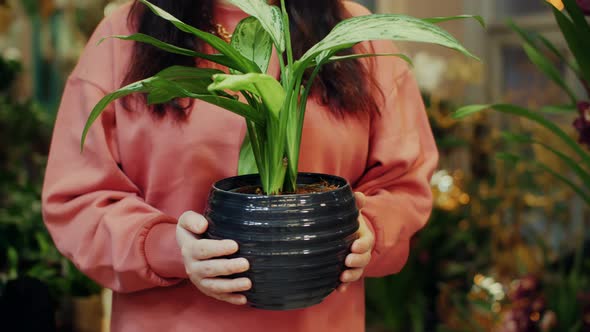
296,244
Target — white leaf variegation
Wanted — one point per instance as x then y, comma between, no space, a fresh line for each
253,42
270,18
382,27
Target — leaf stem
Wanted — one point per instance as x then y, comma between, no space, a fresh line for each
286,27
303,101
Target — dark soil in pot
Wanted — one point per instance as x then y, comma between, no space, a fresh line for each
296,244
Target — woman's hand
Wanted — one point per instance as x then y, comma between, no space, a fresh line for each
203,265
362,247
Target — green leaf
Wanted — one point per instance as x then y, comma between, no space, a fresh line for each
579,190
12,260
559,109
572,64
525,113
269,16
44,246
247,163
229,104
241,63
159,94
572,164
436,20
383,27
517,138
364,55
536,39
578,17
233,106
186,80
191,82
197,79
255,150
266,87
142,38
548,69
162,91
106,100
527,36
253,42
579,44
176,82
286,23
509,157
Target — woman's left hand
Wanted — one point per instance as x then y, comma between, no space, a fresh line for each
362,247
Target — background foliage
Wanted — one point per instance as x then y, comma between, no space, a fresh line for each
25,245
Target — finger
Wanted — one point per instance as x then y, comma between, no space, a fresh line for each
221,286
351,275
358,260
206,249
366,239
342,288
362,245
218,267
360,199
237,299
193,222
184,237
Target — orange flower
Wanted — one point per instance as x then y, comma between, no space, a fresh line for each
557,4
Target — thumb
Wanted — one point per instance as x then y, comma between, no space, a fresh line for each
360,199
193,222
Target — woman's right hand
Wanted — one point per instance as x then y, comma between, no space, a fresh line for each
202,262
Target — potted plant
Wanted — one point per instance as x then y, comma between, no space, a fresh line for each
295,229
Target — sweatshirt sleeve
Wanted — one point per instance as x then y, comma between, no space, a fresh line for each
402,158
95,214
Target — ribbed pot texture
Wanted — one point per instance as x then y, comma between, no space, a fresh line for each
296,244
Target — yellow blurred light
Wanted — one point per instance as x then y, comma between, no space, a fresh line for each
464,199
557,4
535,316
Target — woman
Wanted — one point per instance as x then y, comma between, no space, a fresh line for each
119,209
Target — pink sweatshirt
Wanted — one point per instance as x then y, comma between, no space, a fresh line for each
112,209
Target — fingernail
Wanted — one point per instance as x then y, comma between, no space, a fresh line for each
246,283
230,245
347,261
244,263
198,227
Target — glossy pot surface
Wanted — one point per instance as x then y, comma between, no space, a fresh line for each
296,244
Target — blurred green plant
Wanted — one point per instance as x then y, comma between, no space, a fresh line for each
564,289
26,249
452,249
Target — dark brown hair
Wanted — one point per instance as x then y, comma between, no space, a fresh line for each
337,84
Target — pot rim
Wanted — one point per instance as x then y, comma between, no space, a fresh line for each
334,178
